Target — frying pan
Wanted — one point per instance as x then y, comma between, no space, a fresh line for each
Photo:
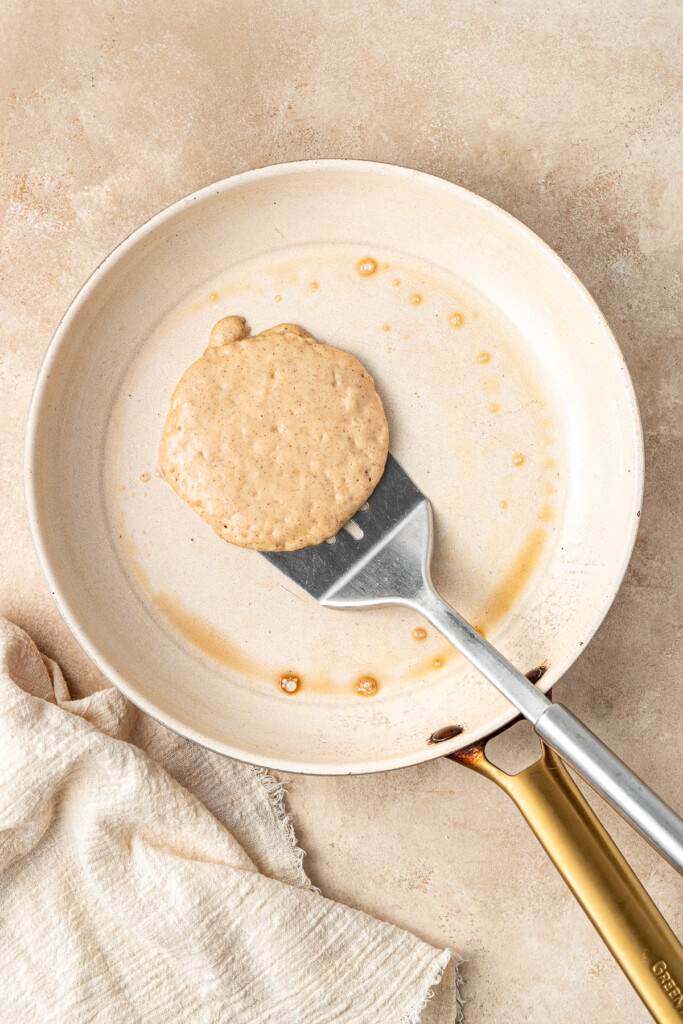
509,404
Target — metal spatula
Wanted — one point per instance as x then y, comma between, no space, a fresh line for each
383,557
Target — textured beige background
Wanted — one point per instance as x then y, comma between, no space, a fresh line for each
564,114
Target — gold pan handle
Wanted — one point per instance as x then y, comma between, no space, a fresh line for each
629,923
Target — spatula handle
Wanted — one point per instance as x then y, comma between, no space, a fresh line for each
614,780
590,863
562,731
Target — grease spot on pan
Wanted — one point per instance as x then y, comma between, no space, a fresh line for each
366,686
289,683
202,635
514,581
367,266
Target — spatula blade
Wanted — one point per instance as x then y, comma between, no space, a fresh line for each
319,569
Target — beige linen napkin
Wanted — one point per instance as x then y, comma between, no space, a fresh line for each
144,879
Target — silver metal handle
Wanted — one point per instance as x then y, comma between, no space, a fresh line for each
562,731
606,773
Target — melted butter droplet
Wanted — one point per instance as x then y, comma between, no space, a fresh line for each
366,686
396,282
483,357
367,266
503,504
456,320
278,298
416,299
419,633
213,296
438,662
145,478
314,286
386,327
289,683
493,407
518,460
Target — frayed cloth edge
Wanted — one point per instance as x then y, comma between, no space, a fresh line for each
277,797
276,792
432,980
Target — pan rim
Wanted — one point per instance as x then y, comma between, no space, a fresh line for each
61,334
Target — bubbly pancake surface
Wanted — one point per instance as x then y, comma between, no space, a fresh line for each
276,440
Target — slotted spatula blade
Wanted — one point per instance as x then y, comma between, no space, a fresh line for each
324,569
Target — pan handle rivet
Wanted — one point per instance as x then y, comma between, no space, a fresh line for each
447,733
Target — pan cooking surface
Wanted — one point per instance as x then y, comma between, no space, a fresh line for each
508,404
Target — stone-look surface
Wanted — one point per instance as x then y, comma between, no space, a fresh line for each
565,115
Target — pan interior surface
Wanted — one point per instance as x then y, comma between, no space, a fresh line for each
508,403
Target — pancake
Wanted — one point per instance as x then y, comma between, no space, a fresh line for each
275,440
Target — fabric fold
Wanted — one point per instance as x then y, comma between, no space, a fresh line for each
143,878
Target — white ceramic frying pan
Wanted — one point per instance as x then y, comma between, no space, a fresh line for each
509,404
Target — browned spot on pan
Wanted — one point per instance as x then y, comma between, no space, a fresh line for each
514,581
202,635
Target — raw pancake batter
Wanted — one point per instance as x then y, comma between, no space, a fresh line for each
275,440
